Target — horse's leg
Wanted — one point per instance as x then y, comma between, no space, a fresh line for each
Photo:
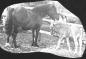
37,34
14,44
8,33
7,42
33,35
14,35
8,36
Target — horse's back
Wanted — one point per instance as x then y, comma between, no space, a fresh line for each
20,14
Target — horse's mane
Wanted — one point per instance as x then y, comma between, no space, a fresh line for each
42,8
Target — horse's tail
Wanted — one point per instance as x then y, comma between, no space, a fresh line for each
8,22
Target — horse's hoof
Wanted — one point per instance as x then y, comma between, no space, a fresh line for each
35,45
16,46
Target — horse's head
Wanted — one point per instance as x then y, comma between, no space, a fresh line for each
47,10
52,12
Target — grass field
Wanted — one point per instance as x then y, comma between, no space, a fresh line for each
24,39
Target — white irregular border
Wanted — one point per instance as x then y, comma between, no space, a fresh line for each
74,26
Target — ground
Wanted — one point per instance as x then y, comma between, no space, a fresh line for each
24,39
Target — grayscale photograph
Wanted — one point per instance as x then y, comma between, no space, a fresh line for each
43,27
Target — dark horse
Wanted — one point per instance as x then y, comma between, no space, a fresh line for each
22,18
